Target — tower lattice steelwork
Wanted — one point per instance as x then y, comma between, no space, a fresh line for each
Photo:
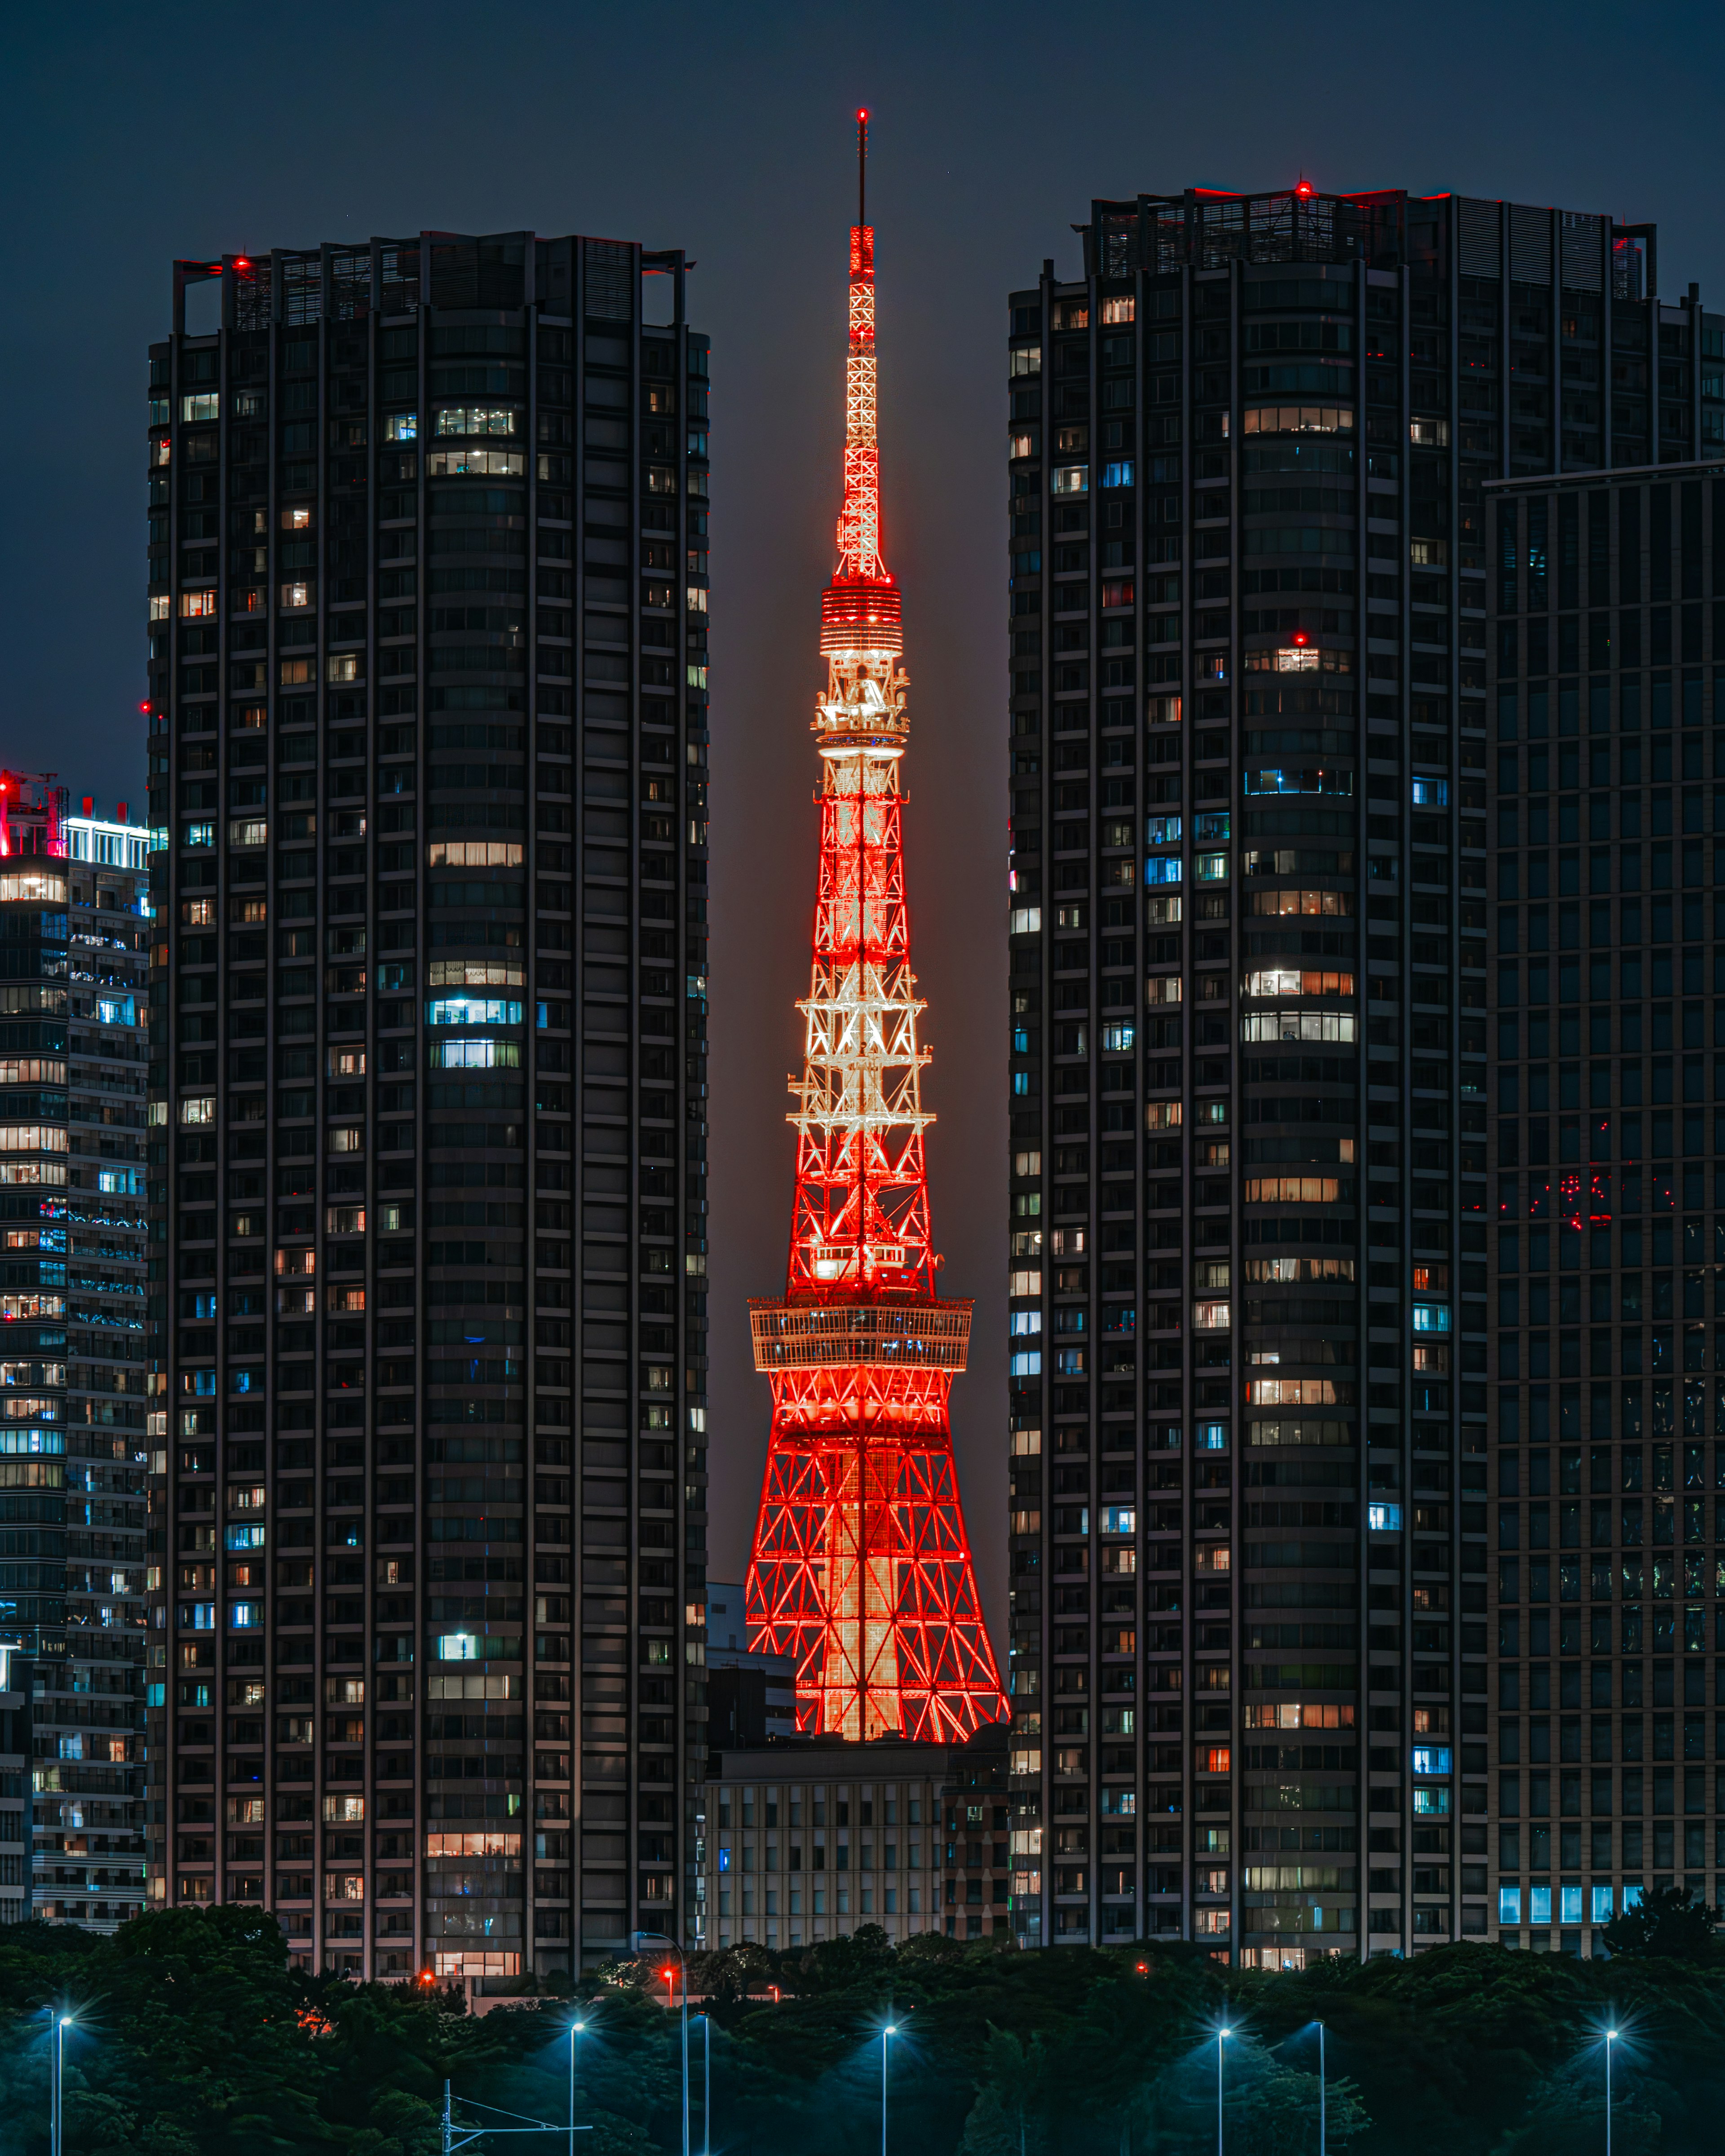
861,1569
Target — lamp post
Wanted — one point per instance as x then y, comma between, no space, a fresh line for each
890,2029
1610,2039
1221,2036
665,1939
576,2029
56,2107
1322,2148
706,2083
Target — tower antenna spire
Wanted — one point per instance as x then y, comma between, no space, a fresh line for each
862,166
861,1569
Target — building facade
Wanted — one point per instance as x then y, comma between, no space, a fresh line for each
750,1695
88,1856
1607,1409
428,558
810,1840
74,910
1249,602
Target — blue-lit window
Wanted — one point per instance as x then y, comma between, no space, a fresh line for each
1602,1904
1069,1362
724,1860
1210,1437
1431,1800
1021,1083
1118,1037
245,1616
1027,1363
1509,1905
1431,793
243,1538
401,427
1431,1759
1312,779
1539,1905
1631,1895
1025,1322
1211,828
1021,1040
1431,1317
1570,1898
1162,831
1166,869
1211,868
1117,474
203,1617
1119,1520
474,1010
200,834
1383,1519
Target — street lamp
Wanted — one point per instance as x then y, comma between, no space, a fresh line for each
890,2029
56,2112
706,2084
1221,2036
1321,2150
1610,2039
665,1939
576,2029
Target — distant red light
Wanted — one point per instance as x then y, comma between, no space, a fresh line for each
1304,187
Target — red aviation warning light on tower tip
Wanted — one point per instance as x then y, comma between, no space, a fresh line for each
861,1569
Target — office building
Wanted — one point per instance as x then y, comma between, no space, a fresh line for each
1608,1142
1250,581
751,1695
428,560
808,1840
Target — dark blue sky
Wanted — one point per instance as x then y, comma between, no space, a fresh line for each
134,135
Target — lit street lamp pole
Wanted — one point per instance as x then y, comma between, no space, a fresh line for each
890,2029
1610,2039
706,2085
1322,2144
576,2029
56,2107
1221,2036
665,1939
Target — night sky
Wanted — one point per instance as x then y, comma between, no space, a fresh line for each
134,135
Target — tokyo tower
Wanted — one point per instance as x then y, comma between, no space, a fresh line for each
861,1569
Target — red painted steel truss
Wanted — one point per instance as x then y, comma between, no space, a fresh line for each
862,1570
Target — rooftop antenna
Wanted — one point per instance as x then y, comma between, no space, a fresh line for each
862,164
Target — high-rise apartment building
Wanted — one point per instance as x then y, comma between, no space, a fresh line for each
1608,1412
89,1699
428,742
1250,595
73,908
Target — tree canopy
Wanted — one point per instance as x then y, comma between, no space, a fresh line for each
192,2037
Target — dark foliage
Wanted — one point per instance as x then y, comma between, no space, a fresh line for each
191,2038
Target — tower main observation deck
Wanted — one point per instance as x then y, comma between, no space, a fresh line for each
861,1569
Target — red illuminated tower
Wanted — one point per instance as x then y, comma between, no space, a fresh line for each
861,1569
